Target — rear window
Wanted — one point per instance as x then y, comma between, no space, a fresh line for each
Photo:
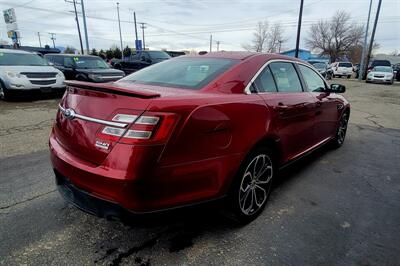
345,65
190,73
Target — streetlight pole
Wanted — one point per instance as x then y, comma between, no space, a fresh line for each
371,42
361,70
119,25
210,43
84,27
142,26
40,42
299,29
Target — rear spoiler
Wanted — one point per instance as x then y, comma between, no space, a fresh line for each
113,88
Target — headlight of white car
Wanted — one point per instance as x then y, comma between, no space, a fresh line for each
12,74
389,75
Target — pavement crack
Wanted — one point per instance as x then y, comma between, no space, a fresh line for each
370,117
27,200
37,126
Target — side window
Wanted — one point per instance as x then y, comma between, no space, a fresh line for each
68,62
145,55
265,82
313,80
286,77
57,60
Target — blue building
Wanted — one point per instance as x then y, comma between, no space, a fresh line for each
306,55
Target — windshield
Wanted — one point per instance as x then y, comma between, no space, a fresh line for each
89,62
17,59
319,65
345,65
381,63
158,55
190,73
383,69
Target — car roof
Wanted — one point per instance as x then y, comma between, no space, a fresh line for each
72,55
240,55
14,51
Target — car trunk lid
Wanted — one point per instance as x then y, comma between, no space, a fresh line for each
87,108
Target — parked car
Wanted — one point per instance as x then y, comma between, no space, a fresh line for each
175,53
396,71
322,68
342,69
141,60
22,71
374,63
381,74
192,129
84,67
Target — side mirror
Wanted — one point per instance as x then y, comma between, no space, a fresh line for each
337,88
50,63
142,58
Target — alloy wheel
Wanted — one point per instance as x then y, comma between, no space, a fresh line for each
254,187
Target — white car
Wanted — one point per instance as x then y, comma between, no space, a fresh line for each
22,71
342,69
381,74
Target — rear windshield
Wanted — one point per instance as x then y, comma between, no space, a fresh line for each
190,73
345,65
17,59
383,69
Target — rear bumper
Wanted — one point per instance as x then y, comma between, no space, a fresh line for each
130,179
87,202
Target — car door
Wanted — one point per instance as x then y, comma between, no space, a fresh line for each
292,108
326,109
68,68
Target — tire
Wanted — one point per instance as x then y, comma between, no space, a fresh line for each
4,93
243,208
340,136
348,76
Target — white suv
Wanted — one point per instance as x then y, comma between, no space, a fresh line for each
342,69
22,71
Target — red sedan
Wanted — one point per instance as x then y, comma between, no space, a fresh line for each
192,129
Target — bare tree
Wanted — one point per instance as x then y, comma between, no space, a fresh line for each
266,38
335,37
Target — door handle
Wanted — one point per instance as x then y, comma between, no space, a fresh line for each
282,106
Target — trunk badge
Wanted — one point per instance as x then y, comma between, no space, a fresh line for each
69,113
102,144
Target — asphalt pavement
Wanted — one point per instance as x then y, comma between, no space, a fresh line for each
335,207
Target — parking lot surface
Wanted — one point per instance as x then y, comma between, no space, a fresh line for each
334,207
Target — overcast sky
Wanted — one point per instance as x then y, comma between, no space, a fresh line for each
187,24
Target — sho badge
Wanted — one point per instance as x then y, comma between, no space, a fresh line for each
102,144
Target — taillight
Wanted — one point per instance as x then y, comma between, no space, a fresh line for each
149,128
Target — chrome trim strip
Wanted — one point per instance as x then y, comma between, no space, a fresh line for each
247,89
95,120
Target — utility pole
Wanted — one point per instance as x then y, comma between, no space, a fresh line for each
210,43
84,26
361,70
40,42
280,44
119,25
143,26
217,46
371,42
53,39
77,23
299,29
134,20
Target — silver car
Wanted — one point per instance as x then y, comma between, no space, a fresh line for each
21,71
381,74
